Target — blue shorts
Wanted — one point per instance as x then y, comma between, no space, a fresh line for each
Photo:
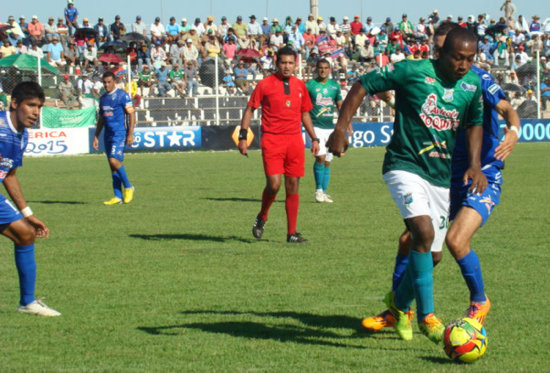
114,146
483,204
8,212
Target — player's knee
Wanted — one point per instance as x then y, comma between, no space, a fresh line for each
25,235
405,243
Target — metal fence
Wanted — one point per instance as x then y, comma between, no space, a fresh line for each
214,98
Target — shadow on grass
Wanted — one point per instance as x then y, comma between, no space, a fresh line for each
60,202
329,321
313,330
189,236
440,360
238,199
256,330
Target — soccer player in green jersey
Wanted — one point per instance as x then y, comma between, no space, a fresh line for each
431,105
325,94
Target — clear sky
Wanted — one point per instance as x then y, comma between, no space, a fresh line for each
378,9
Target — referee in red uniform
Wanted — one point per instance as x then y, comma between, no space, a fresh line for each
285,106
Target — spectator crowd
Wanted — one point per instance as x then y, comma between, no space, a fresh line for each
166,58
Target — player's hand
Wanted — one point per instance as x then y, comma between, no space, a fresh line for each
95,143
315,148
479,181
41,229
507,145
130,139
243,147
337,143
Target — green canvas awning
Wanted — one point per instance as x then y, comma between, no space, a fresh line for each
27,63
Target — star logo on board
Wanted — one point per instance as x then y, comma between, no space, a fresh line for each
174,139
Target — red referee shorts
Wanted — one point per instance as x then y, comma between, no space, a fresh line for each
283,154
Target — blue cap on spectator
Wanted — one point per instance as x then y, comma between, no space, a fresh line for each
369,18
157,42
138,17
388,19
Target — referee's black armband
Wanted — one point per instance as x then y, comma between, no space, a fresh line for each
243,134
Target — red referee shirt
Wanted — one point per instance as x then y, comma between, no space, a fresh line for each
281,113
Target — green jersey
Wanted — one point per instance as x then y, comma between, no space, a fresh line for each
324,97
145,76
429,112
176,75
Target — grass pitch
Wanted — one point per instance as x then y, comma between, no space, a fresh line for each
176,282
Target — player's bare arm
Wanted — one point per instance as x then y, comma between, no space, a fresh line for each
337,142
511,131
98,128
11,183
245,125
131,124
308,125
339,107
475,139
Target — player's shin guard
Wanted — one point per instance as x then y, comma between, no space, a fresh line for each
399,270
117,185
291,205
124,177
318,172
26,268
420,268
326,178
471,271
267,201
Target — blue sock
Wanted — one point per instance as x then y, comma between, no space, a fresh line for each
124,177
26,268
117,185
326,178
404,292
399,270
318,172
471,271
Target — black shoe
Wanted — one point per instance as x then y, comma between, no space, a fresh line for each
258,227
295,238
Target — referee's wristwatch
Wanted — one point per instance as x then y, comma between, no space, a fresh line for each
315,139
243,134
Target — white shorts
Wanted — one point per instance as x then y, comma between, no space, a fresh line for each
323,134
415,196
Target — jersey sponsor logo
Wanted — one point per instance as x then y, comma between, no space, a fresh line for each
429,80
6,163
323,101
408,199
287,103
438,118
493,88
468,87
448,94
486,77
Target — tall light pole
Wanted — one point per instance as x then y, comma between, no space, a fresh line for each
314,8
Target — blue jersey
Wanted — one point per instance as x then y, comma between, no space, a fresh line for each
70,13
112,108
492,94
12,145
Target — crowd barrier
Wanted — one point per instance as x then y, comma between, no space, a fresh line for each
70,141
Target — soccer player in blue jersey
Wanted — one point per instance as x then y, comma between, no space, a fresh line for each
18,222
468,211
114,106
